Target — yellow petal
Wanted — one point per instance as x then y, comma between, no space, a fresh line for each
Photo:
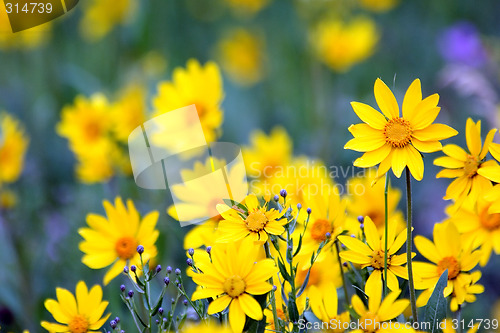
251,202
426,146
366,143
57,312
399,160
372,158
360,130
392,281
55,328
450,173
415,163
355,245
427,249
371,232
250,306
425,112
412,97
114,271
374,294
495,150
386,100
473,137
369,115
373,284
236,317
492,172
358,305
434,132
355,257
456,152
487,142
449,162
67,301
219,304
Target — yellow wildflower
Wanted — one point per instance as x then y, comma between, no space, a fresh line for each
77,315
13,146
114,240
395,141
471,290
327,308
26,39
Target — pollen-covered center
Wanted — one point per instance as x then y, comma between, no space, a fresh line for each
126,247
398,132
79,324
451,264
92,130
470,166
256,221
234,286
319,229
369,323
489,221
377,260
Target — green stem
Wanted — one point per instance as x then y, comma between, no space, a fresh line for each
277,325
344,285
386,221
409,241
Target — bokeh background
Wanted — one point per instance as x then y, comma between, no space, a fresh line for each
296,64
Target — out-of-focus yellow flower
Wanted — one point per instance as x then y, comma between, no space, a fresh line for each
241,55
129,111
101,16
81,314
480,227
233,275
471,290
395,141
341,45
247,7
379,5
198,85
447,252
379,311
13,145
471,181
8,199
211,327
372,255
326,309
365,198
114,240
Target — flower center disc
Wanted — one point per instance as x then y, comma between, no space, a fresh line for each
378,259
92,131
319,229
126,247
489,221
234,286
398,132
79,324
256,221
470,166
451,264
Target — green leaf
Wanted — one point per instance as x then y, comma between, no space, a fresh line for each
232,203
304,285
293,312
435,310
298,247
283,272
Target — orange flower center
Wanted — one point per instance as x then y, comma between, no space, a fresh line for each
79,324
92,130
201,112
377,217
234,286
370,322
489,221
319,229
470,166
398,132
256,221
451,264
314,276
126,247
377,260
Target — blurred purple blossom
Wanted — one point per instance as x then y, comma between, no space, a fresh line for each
462,44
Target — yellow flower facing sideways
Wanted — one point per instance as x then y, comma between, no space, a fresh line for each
113,240
13,146
447,252
198,85
341,45
372,255
77,315
393,141
326,309
257,223
231,278
466,166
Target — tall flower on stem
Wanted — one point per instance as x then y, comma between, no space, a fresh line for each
397,142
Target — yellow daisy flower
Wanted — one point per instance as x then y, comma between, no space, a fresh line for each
115,239
366,198
241,55
378,311
471,290
198,85
233,275
13,146
77,315
129,111
258,223
395,141
372,254
341,45
448,251
327,308
466,166
480,227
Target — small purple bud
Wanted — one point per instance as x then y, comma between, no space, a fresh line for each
275,288
130,293
343,247
185,302
328,235
166,280
189,262
276,198
209,249
353,236
112,324
160,310
172,300
125,269
122,288
140,249
309,211
157,322
362,225
361,219
158,269
169,269
283,193
299,206
179,285
133,268
177,271
191,252
290,248
117,319
344,264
